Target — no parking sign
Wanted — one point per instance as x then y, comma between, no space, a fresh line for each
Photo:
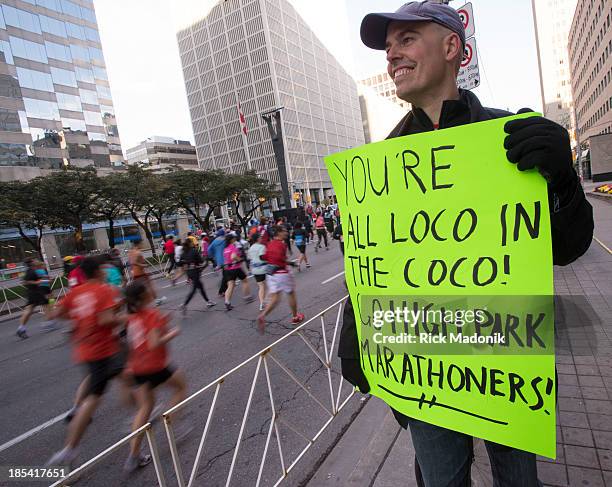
469,74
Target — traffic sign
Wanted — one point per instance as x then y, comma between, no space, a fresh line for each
469,74
467,16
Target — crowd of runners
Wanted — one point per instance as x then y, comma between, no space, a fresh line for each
120,333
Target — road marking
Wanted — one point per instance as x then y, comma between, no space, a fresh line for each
332,278
602,244
32,432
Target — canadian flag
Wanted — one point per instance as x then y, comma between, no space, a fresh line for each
243,125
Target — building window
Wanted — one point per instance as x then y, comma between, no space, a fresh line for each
21,19
63,77
28,50
35,80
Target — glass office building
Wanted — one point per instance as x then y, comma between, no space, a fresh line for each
56,107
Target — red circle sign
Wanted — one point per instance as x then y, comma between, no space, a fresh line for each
467,55
465,17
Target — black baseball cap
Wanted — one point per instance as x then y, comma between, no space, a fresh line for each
374,26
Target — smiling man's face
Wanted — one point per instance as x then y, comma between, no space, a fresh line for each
418,58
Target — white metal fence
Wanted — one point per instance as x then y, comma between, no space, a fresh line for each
330,405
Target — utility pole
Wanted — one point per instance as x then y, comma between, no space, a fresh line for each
276,133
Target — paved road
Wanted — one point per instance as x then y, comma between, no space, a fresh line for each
38,380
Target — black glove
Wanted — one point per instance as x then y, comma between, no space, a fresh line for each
351,371
539,142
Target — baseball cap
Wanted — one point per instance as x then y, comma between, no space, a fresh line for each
374,25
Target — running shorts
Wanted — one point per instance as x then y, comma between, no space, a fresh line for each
281,282
302,249
102,371
156,378
233,274
259,277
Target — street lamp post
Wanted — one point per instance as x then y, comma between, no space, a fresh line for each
276,133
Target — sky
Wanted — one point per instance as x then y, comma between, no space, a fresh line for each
145,74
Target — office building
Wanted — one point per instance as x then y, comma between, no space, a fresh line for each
552,20
55,98
383,85
162,154
379,114
590,54
262,55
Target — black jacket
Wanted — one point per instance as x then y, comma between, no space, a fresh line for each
571,216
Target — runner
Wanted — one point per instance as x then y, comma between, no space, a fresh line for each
36,282
321,231
149,362
169,251
337,235
258,267
178,262
138,265
280,280
92,308
194,265
233,270
299,237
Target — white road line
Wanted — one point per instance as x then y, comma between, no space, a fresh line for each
602,244
32,432
332,278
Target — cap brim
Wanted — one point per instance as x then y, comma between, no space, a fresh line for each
374,27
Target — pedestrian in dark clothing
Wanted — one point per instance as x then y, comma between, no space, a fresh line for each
194,264
424,44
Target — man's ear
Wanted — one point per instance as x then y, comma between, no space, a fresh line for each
454,48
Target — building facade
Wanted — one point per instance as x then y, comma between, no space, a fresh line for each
262,55
162,154
55,101
383,85
379,114
590,54
590,50
552,20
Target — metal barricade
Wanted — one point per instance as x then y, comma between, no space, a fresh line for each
262,359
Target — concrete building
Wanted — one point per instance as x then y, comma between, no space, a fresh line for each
379,114
552,20
163,153
383,85
55,100
590,48
261,54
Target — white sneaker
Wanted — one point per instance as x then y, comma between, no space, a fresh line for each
261,306
63,457
160,301
134,463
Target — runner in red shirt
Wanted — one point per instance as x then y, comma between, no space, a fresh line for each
280,279
148,361
92,307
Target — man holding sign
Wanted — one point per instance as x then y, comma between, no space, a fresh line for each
412,185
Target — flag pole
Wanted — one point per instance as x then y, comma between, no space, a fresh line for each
243,132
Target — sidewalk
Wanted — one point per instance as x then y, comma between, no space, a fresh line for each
584,408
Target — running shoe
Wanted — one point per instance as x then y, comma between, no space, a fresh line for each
160,301
298,318
307,266
63,457
261,306
249,299
134,463
22,334
183,309
228,307
210,304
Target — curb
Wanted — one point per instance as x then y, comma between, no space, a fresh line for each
362,450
